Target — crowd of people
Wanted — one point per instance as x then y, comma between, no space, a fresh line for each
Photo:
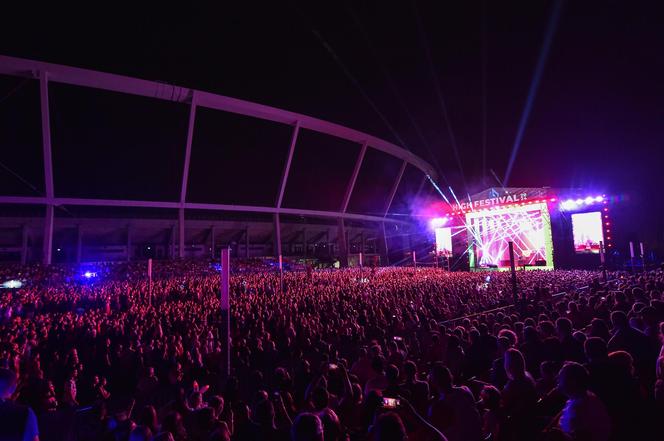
348,354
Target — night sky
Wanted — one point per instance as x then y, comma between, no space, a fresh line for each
596,122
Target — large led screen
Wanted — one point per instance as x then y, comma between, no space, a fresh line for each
587,231
527,227
444,241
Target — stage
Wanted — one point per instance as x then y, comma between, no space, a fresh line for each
548,228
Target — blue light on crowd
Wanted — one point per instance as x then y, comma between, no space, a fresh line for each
12,284
89,274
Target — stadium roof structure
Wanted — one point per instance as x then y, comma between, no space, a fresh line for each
198,102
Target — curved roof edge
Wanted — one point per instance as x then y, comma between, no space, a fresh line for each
37,200
152,89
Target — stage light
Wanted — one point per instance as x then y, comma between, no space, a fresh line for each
569,204
12,284
572,204
438,222
553,199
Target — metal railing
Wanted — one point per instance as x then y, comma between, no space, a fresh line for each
489,311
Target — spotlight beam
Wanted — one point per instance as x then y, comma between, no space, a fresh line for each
438,190
534,84
455,196
439,93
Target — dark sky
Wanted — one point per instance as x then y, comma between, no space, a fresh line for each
596,121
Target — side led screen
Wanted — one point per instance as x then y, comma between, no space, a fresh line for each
444,241
587,230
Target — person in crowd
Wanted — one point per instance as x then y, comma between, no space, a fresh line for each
659,384
378,379
585,416
307,427
547,380
572,348
417,391
453,412
17,422
492,413
498,375
519,396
